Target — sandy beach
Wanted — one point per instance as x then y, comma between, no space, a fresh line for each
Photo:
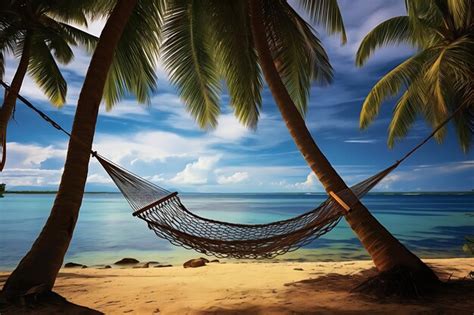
252,288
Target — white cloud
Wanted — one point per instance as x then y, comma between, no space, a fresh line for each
22,155
311,183
196,172
429,173
99,179
149,146
235,178
360,141
230,129
30,177
158,178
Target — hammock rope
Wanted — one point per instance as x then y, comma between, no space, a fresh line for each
166,215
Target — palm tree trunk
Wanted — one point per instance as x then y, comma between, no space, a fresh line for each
386,251
9,101
41,265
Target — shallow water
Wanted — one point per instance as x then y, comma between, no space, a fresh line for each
430,225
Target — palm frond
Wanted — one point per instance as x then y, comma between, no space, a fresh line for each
298,53
327,14
84,39
425,20
45,72
187,57
392,31
435,78
236,58
11,36
391,84
77,12
56,43
458,62
451,68
72,35
404,115
133,68
461,11
464,126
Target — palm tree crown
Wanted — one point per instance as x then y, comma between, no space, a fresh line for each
435,81
208,43
44,26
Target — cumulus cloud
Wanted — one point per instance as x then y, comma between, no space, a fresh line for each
235,178
21,155
149,146
196,172
229,128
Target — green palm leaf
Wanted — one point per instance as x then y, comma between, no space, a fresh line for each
410,104
73,35
186,55
45,72
391,84
56,43
461,11
133,67
298,53
327,14
236,58
392,31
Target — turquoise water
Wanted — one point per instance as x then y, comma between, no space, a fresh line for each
430,225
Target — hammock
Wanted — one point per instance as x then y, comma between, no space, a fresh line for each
166,215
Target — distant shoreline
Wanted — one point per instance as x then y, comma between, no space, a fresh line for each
50,192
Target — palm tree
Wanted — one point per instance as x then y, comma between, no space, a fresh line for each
437,80
207,41
39,34
123,62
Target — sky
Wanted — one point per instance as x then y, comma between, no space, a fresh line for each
162,143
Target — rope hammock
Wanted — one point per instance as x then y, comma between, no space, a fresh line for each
166,215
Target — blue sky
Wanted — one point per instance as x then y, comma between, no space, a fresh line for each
162,143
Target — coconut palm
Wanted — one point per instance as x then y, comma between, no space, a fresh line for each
437,79
207,41
123,63
39,34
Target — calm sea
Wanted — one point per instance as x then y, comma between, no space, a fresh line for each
432,225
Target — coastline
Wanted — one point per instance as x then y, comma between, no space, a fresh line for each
259,288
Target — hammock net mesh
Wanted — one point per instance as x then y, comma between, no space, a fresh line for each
166,215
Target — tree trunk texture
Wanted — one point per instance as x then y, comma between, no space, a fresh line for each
39,268
385,250
6,111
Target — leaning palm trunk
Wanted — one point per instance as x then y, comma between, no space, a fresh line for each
9,101
41,265
386,251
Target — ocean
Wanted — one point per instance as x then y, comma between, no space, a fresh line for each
431,225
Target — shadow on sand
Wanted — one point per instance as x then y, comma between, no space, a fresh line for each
331,294
46,303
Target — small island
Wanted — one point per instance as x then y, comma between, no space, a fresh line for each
2,189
